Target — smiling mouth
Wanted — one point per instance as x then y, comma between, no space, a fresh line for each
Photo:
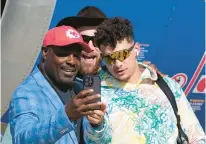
68,70
89,59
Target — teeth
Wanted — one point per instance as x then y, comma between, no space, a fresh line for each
89,59
86,57
69,70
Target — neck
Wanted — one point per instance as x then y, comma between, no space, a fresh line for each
53,83
136,75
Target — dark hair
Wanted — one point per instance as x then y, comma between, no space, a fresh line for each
113,30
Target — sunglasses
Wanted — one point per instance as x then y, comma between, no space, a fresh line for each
87,38
118,55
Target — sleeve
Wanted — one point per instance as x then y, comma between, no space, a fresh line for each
189,121
97,135
26,126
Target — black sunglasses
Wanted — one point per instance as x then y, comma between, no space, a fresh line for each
87,38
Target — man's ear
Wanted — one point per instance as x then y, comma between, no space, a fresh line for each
137,49
45,52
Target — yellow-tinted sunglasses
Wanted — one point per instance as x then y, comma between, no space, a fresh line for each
118,55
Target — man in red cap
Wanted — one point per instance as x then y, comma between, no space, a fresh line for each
44,108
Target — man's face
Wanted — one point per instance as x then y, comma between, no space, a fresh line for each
121,70
90,62
62,63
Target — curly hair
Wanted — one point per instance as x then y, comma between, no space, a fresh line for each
113,30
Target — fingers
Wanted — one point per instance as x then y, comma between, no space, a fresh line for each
85,93
154,68
161,74
93,110
90,99
99,113
94,120
147,62
87,113
97,116
91,106
151,65
103,108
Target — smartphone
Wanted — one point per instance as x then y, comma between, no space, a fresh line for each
92,82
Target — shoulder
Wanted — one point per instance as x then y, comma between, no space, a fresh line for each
28,97
28,90
174,86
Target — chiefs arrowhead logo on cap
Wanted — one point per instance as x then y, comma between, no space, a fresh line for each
70,33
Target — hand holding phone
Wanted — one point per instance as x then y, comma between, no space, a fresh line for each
92,82
82,105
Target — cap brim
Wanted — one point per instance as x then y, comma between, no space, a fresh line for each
76,22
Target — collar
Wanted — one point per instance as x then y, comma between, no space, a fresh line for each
46,88
147,74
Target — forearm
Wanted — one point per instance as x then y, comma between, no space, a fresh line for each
27,129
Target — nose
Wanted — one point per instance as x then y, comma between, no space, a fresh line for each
117,64
91,45
70,59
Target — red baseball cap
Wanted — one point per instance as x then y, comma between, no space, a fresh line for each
63,36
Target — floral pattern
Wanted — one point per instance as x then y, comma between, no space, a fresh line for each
142,114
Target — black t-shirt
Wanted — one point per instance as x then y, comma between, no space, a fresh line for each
65,97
